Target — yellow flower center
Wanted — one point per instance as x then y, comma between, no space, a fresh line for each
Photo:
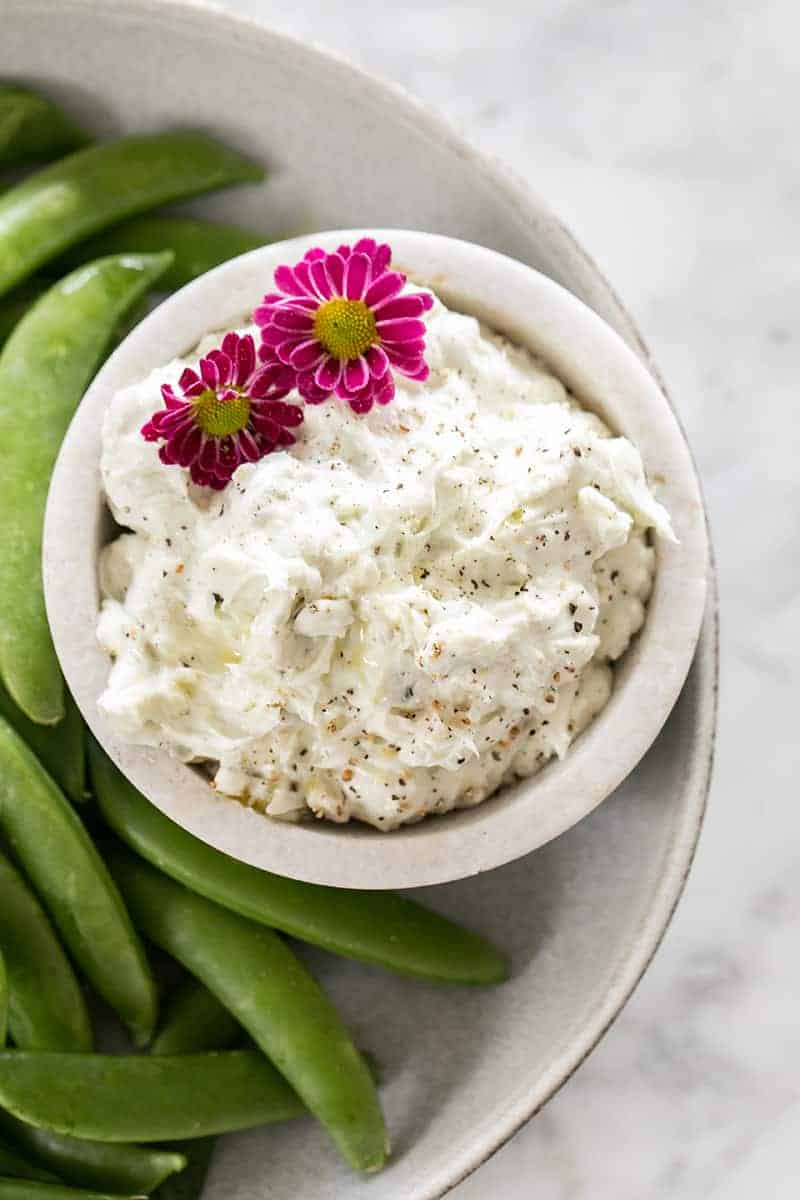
346,328
221,418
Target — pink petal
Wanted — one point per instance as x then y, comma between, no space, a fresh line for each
292,320
319,277
404,350
186,445
283,414
169,422
229,457
408,364
366,245
245,360
208,457
343,251
248,446
224,366
328,374
377,361
285,438
361,404
400,306
190,383
379,255
266,427
307,354
356,276
287,281
272,336
420,373
381,258
263,314
334,265
384,288
384,393
316,252
302,274
285,350
356,374
309,390
209,371
230,345
404,329
273,379
169,397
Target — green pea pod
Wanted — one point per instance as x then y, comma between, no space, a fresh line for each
45,367
90,1164
136,1098
197,245
256,976
13,1165
11,1189
3,998
46,1006
191,1181
195,1021
47,837
376,927
14,306
94,188
60,748
34,129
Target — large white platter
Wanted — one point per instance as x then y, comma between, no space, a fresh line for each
582,916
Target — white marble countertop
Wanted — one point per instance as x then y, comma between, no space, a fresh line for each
666,135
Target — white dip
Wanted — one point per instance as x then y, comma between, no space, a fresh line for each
397,615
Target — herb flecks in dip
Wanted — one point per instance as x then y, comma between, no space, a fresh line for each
394,616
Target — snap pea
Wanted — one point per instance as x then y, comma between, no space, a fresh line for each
136,1098
45,367
377,927
197,245
14,306
90,1164
94,188
46,836
13,1165
33,128
46,1006
191,1181
255,975
60,748
194,1021
3,998
11,1189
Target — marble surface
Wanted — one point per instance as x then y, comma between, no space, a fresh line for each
666,136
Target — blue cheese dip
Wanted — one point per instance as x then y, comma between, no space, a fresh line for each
396,616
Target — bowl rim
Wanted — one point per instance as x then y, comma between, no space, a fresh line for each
597,365
527,207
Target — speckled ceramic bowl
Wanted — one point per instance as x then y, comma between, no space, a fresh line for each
582,916
600,370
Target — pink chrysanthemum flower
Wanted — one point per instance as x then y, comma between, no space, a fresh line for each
340,321
231,411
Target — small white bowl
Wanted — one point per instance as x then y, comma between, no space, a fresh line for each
597,366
